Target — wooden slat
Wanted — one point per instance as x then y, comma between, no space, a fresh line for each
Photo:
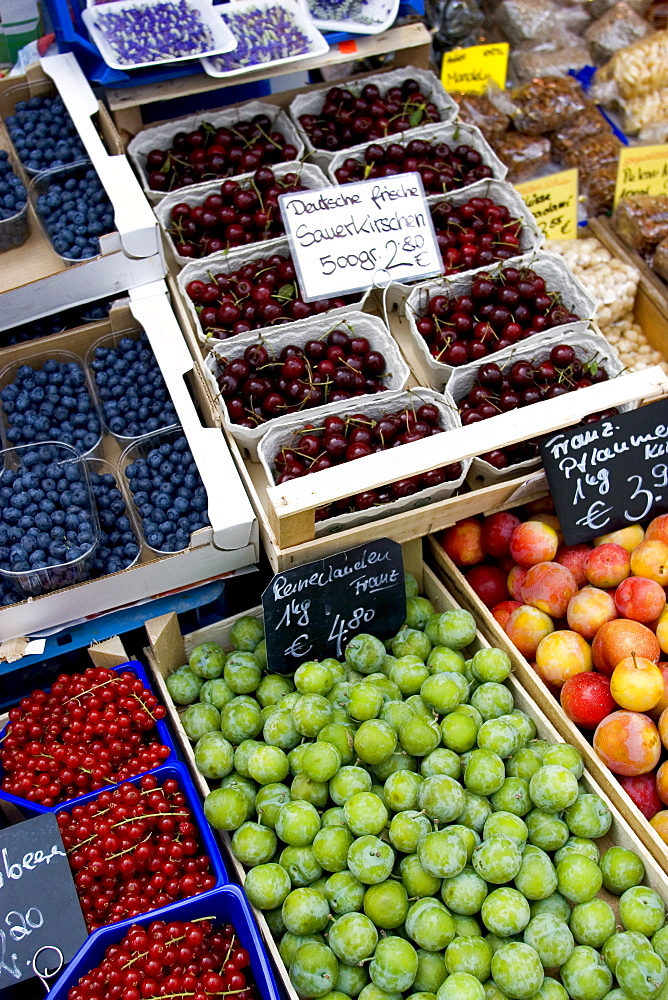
292,500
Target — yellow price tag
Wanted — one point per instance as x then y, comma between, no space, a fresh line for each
553,200
469,70
641,170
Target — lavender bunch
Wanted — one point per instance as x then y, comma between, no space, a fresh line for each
263,35
342,10
155,31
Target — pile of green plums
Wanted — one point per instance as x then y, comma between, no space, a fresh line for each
405,831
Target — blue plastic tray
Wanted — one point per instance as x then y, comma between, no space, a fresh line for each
204,832
228,904
161,730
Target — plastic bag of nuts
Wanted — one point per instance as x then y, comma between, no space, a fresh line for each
547,104
642,222
524,155
638,69
566,141
660,262
619,27
478,110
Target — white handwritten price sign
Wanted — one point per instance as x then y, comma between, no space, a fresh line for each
41,923
606,475
313,611
358,236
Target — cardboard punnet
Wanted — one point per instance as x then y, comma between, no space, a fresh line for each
230,543
34,280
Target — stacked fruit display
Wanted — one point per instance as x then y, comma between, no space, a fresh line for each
523,383
207,153
442,167
134,849
347,120
363,789
261,385
90,730
242,212
592,619
263,292
498,311
151,962
344,439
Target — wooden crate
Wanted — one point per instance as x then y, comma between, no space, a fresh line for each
169,650
651,305
34,280
542,697
286,514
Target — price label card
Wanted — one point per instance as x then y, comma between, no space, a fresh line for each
359,236
470,70
313,611
609,474
641,170
553,201
41,923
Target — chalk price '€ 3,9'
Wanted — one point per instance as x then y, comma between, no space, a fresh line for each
366,235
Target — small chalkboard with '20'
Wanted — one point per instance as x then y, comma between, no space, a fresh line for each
313,611
606,475
41,923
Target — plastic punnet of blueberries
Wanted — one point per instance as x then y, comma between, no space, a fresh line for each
13,201
48,520
75,210
44,134
133,395
51,403
168,493
118,548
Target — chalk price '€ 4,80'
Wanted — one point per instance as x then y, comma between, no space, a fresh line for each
365,235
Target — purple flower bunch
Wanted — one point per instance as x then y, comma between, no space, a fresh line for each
155,31
263,35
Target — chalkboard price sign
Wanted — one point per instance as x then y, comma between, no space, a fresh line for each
609,474
41,923
313,611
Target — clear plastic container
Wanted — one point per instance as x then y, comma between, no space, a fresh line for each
17,93
141,449
40,185
100,467
34,582
113,340
14,231
8,377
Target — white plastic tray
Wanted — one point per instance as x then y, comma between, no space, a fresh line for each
381,15
161,136
298,11
223,39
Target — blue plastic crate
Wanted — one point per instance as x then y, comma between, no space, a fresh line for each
161,729
204,832
227,904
